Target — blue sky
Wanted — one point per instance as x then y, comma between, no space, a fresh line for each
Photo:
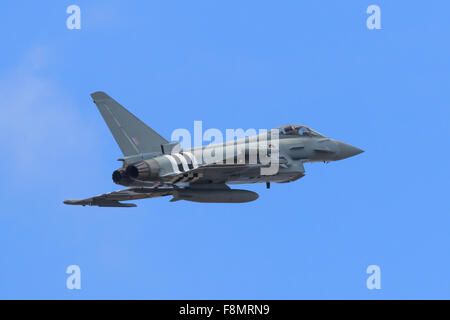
231,64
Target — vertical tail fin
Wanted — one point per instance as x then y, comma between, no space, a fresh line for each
131,134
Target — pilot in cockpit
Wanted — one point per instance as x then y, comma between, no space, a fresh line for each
298,130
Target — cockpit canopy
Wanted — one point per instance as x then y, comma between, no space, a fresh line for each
297,130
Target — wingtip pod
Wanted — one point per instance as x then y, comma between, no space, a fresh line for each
94,203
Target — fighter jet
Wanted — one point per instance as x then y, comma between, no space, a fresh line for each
154,167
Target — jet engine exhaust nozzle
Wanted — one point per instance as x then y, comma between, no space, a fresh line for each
143,170
118,175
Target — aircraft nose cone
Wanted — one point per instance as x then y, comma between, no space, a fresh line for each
346,151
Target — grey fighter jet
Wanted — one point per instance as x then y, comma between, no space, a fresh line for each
153,167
